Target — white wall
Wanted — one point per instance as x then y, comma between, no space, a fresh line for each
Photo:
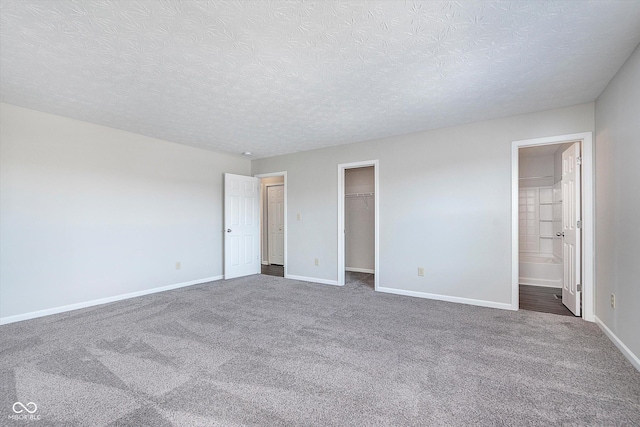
445,204
617,174
89,212
359,219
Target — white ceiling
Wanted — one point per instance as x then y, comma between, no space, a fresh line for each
275,77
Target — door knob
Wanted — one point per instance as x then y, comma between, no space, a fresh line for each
560,234
228,230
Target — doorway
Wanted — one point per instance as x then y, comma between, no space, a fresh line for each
552,225
359,221
273,224
358,224
540,202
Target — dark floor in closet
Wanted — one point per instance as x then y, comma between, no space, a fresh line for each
542,299
273,270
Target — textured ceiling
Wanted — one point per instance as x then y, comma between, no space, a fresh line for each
275,77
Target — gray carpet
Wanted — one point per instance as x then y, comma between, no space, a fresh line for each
265,350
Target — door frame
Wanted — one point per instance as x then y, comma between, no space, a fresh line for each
286,223
588,224
341,218
266,187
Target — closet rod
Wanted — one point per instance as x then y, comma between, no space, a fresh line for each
359,194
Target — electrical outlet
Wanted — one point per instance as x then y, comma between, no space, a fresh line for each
420,271
613,300
298,217
317,262
178,265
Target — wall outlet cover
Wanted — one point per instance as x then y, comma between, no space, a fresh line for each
613,300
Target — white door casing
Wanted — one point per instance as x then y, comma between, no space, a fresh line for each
587,214
241,225
275,223
571,232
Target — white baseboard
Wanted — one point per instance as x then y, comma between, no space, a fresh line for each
85,304
635,361
469,301
312,279
359,270
540,282
265,262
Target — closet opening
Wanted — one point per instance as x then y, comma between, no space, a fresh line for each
358,225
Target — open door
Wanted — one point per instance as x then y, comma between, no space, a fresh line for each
571,228
242,225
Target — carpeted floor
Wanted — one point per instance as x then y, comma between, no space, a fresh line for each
264,350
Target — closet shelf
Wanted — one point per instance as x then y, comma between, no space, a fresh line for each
537,177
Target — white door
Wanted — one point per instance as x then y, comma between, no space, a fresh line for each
241,225
275,217
571,228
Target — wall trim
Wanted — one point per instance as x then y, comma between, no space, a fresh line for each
100,301
447,298
635,361
360,270
545,283
312,279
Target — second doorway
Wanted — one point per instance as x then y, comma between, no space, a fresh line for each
272,233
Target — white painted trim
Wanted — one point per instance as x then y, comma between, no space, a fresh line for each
341,253
635,361
447,298
313,280
265,263
588,207
545,283
77,306
286,210
360,270
589,231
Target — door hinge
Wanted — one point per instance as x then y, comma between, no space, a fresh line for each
579,160
579,224
579,287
